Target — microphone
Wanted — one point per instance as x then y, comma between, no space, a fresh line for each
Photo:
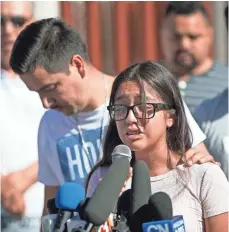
77,223
68,197
161,206
106,195
140,193
81,207
121,151
160,209
123,207
48,221
51,206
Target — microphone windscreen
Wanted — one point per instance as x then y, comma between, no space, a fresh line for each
161,206
104,199
123,205
69,196
140,187
51,206
121,151
140,193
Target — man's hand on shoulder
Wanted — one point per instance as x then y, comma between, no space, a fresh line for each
199,155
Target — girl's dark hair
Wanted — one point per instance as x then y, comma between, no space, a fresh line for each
179,138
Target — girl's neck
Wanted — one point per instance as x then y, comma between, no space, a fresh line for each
160,159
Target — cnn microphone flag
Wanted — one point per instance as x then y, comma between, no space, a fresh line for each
174,225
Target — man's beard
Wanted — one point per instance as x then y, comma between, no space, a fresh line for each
189,63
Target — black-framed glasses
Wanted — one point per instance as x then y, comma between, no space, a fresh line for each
147,110
17,21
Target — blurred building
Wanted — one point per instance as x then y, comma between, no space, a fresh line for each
119,33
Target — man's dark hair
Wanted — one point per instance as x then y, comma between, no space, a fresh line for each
47,43
186,8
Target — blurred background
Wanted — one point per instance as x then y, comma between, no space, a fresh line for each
120,33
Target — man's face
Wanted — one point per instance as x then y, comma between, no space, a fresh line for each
14,17
63,92
186,41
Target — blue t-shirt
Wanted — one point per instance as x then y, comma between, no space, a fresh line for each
212,117
61,154
205,86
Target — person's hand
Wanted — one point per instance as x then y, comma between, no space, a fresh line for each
14,204
12,191
198,155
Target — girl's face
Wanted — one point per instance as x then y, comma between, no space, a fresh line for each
133,132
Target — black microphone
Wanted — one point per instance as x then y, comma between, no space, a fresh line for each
140,193
81,208
106,195
51,206
161,212
161,206
123,205
123,208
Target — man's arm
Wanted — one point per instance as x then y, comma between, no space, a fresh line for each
14,185
30,175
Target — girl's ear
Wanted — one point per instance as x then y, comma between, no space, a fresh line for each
170,118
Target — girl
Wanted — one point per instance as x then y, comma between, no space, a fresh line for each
147,114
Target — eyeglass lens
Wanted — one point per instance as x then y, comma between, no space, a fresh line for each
140,111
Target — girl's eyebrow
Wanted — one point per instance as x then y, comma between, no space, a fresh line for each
123,96
150,98
120,97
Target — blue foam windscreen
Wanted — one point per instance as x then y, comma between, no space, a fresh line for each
69,195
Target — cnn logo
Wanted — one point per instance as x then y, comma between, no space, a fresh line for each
158,228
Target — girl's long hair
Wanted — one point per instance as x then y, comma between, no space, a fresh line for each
178,137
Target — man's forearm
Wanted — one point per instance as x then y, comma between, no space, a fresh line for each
30,175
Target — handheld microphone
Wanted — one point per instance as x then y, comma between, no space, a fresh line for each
160,209
121,151
68,197
140,193
106,195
